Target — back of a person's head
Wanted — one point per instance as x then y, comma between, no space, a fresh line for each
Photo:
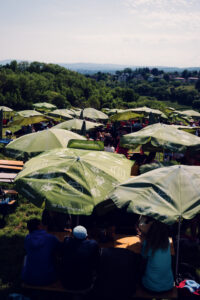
157,236
33,224
80,232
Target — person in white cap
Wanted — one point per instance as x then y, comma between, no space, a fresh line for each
80,260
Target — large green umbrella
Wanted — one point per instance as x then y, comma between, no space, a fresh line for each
138,112
26,117
61,113
76,125
44,106
159,137
71,180
166,194
94,114
32,144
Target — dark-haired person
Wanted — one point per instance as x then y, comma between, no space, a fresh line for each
158,276
39,263
80,260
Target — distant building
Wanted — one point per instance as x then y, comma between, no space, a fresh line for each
193,79
179,79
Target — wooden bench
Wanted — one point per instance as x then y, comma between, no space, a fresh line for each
12,167
58,287
10,192
143,294
7,177
12,163
139,294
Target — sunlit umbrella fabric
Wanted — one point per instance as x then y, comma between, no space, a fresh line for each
32,144
26,117
76,125
94,114
70,180
5,109
164,194
190,113
161,136
138,112
61,113
44,106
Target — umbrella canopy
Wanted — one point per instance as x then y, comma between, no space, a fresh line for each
190,113
94,114
114,111
189,129
71,180
32,144
61,113
165,194
160,136
136,113
5,108
26,117
77,125
44,106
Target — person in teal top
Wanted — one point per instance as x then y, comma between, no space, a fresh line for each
158,276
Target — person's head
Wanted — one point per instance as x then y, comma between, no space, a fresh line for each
145,224
156,234
80,232
33,224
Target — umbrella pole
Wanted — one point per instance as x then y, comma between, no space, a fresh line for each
177,250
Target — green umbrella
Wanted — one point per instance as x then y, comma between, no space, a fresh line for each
61,113
189,129
190,113
94,114
160,137
76,125
126,115
166,194
71,180
32,144
26,117
5,109
114,111
44,106
138,112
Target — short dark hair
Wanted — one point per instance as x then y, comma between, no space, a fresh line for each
33,224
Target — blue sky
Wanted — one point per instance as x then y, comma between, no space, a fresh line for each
134,32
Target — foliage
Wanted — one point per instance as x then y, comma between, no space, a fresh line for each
22,84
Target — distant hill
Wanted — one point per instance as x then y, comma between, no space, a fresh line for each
91,68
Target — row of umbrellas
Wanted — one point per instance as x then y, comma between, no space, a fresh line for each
116,114
34,171
157,137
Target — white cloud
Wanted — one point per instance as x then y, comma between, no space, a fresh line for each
167,13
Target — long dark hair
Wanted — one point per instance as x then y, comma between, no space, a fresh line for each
157,237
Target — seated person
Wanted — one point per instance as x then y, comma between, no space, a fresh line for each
158,275
80,259
41,247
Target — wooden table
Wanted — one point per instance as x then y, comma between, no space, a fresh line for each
132,243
